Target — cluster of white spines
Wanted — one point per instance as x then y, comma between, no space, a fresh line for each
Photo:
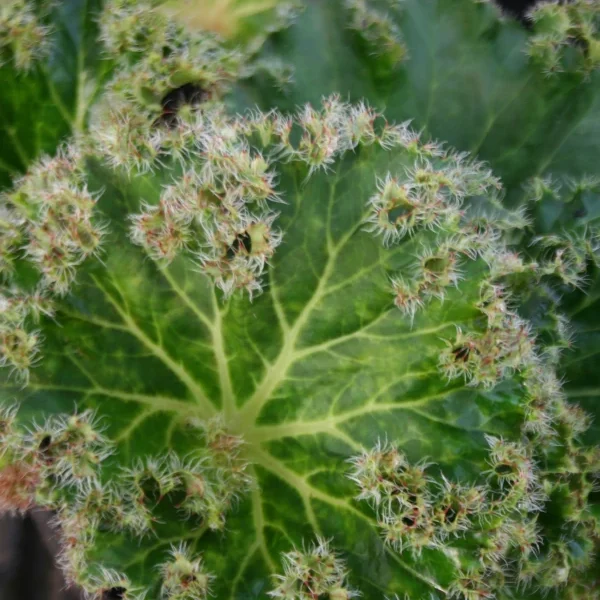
564,255
49,220
431,195
207,137
11,237
128,26
164,73
428,196
58,464
64,451
316,573
212,481
109,583
166,55
61,229
19,344
505,346
514,474
499,517
23,36
402,207
184,576
324,135
8,435
328,133
560,260
558,26
219,210
415,511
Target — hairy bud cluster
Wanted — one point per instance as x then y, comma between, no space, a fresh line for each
416,512
108,583
316,573
210,482
504,347
165,73
62,452
380,33
565,256
568,485
47,219
23,36
549,418
437,268
402,206
184,576
218,210
58,465
538,188
56,207
555,262
554,428
429,196
8,434
566,36
201,63
336,128
491,528
127,26
513,478
12,237
19,345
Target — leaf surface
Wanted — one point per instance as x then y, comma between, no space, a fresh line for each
321,365
43,106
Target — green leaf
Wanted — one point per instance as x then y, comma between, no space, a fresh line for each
46,104
319,367
322,365
467,80
583,385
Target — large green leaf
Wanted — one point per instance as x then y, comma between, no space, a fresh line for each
317,368
322,365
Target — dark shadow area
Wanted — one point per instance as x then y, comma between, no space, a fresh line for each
517,8
27,567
